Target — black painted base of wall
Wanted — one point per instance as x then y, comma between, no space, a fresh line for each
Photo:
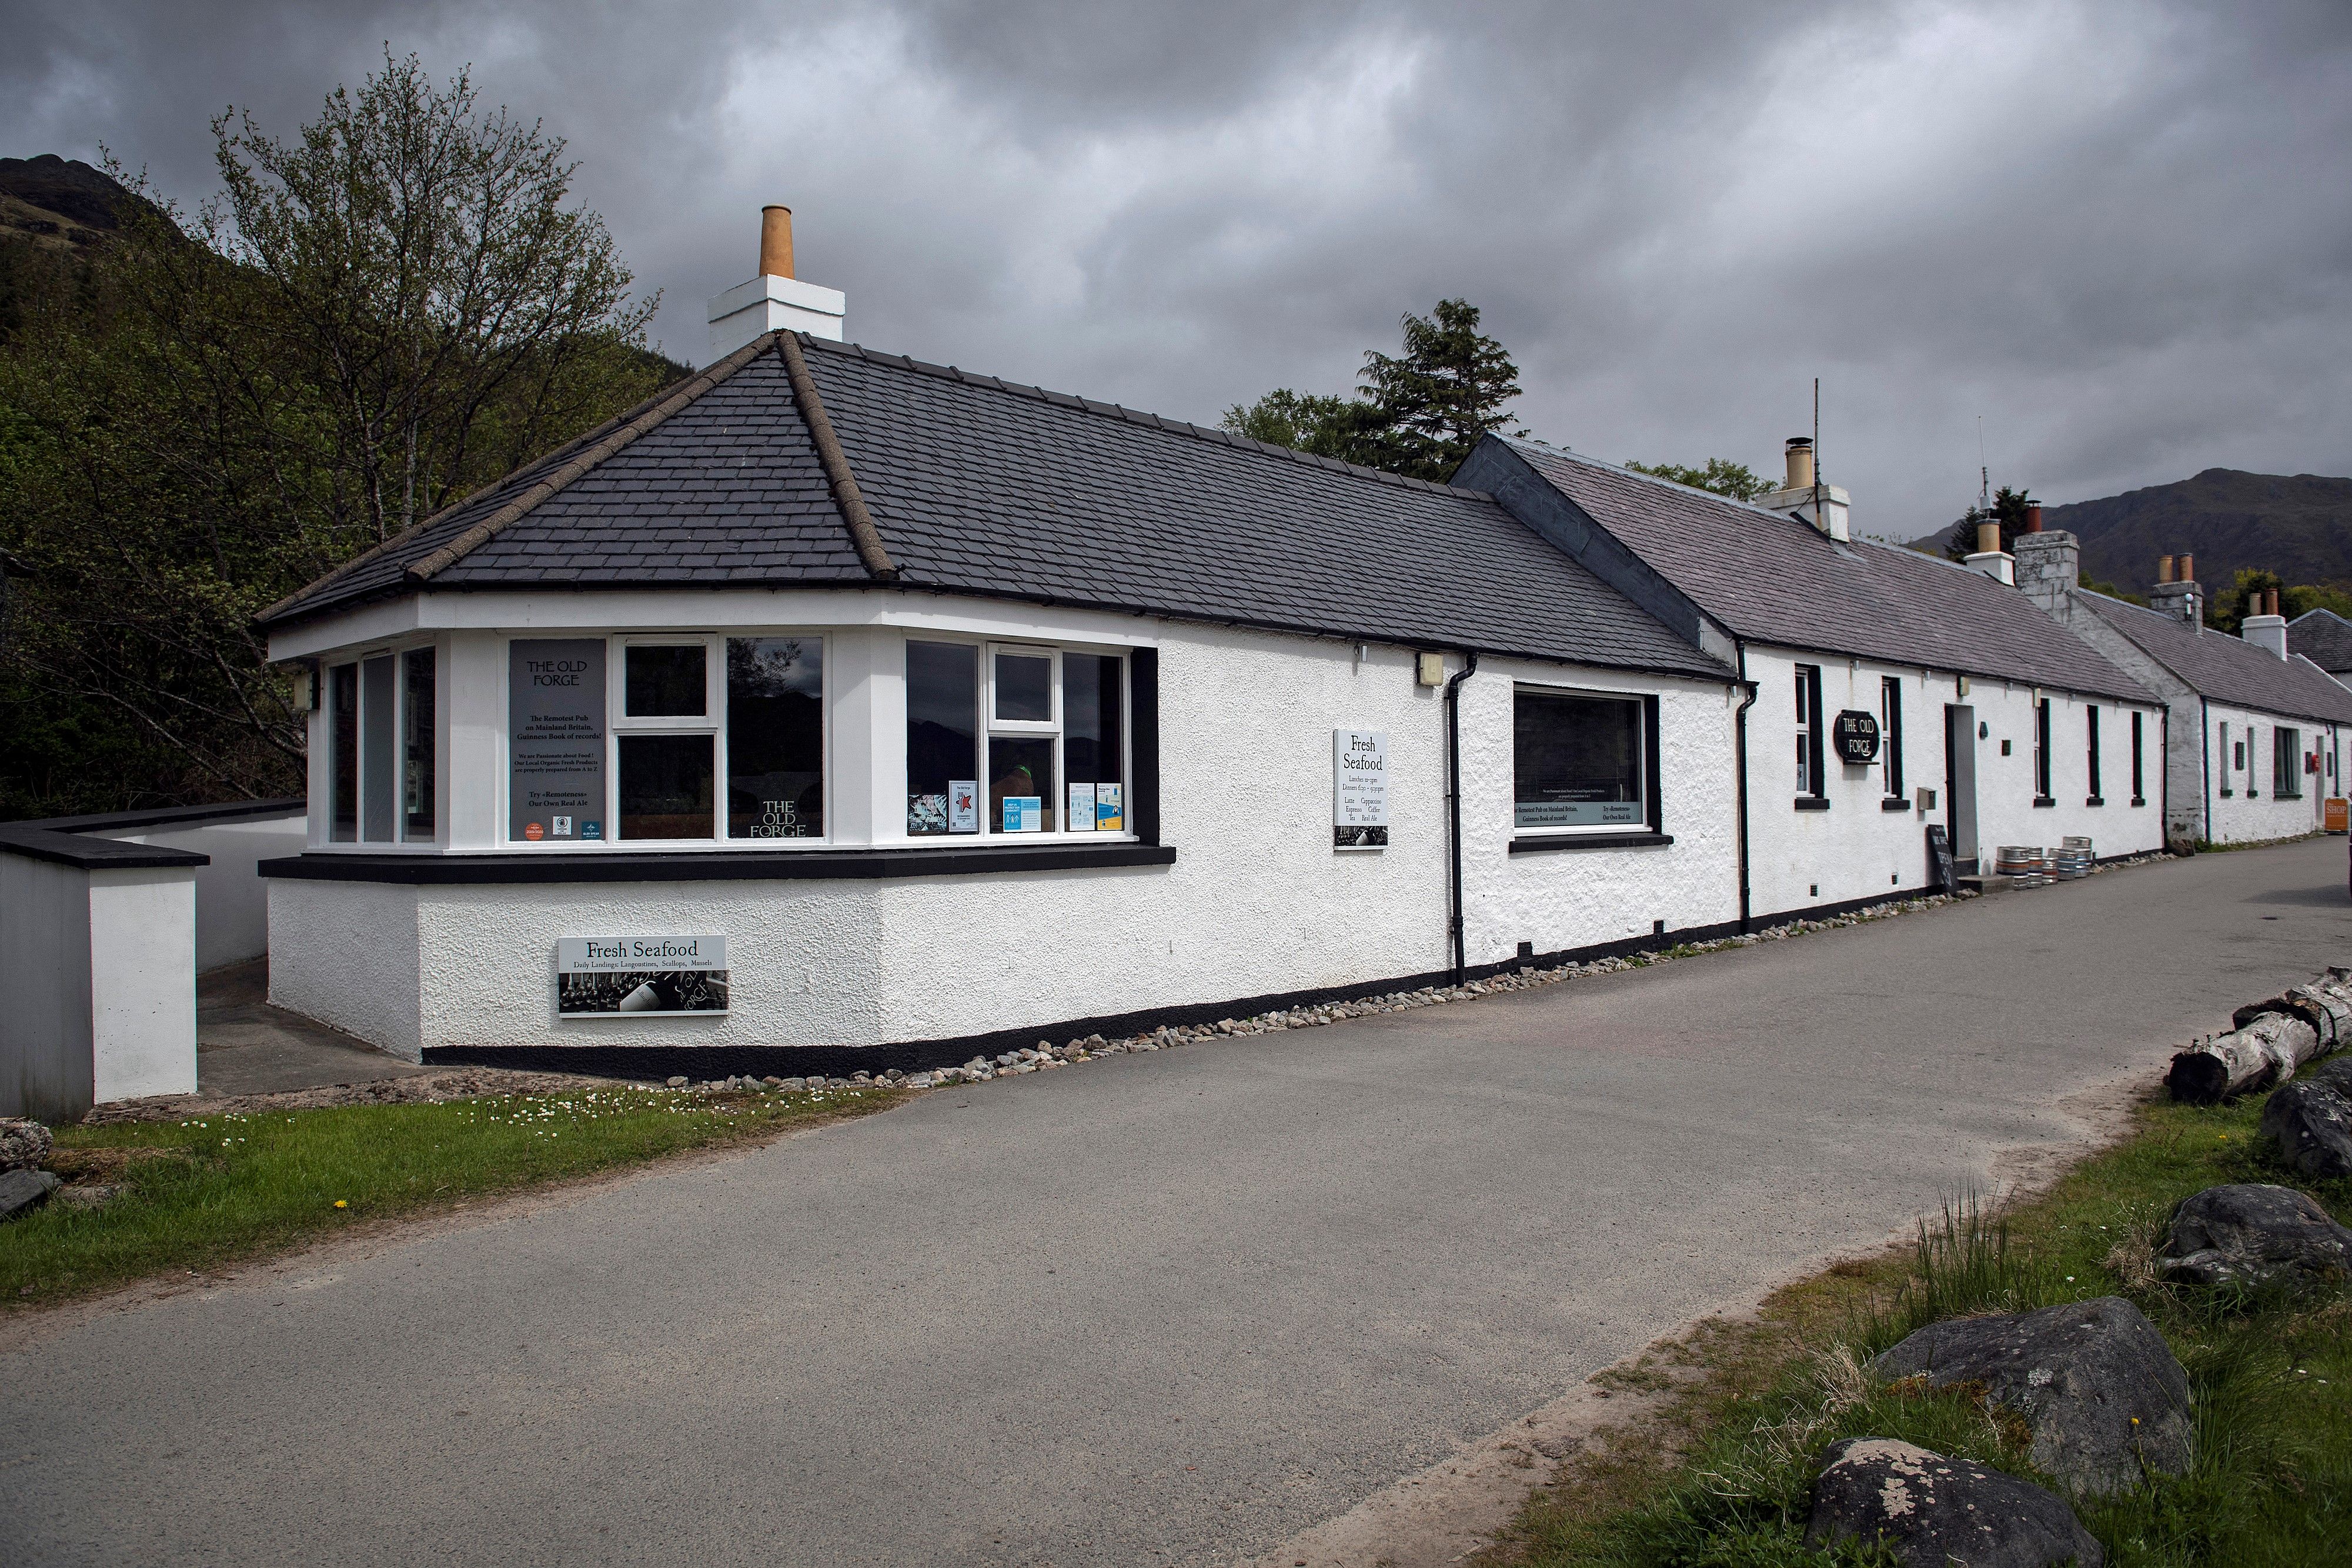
700,1063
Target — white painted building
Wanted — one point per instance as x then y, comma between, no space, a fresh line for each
1966,709
2257,731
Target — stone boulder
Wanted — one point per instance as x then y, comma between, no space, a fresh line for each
24,1144
2093,1380
2334,1073
1931,1510
2252,1234
21,1190
2311,1125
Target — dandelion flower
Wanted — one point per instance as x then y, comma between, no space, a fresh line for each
343,1203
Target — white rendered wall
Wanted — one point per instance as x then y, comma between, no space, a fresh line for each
232,900
1856,850
2252,811
45,1028
142,982
1258,901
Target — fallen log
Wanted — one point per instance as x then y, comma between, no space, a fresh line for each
2264,1052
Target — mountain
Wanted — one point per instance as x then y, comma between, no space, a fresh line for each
2298,526
57,203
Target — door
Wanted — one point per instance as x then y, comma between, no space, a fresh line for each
1960,784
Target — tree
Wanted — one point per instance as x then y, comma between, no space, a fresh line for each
389,312
1419,413
1719,476
2008,510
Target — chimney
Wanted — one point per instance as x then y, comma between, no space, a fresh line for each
2176,593
2266,628
775,300
1825,507
2049,566
2033,517
1990,558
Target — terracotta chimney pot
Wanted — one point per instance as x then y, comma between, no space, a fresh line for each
2034,517
2185,569
1988,539
2163,569
775,242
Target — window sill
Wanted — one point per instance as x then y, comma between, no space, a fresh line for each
1812,802
2229,794
2094,801
1590,841
2276,796
2140,800
711,865
2041,802
1895,803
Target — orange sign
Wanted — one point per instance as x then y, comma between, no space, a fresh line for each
2334,820
533,830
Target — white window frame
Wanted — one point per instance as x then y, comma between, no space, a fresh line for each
1809,750
358,660
1645,786
987,725
990,654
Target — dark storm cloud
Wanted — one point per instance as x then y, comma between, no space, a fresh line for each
2121,234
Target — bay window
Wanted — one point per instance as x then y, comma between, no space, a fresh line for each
1579,761
1010,740
383,748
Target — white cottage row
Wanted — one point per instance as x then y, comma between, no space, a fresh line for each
838,709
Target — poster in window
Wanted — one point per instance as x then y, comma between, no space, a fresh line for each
1110,809
1081,816
555,740
1025,813
963,806
1359,788
644,976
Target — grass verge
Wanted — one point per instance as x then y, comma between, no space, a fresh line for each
222,1189
1719,1476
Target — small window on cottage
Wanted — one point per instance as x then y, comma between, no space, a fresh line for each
1094,760
775,737
2139,791
418,745
2286,763
665,746
1809,731
2042,749
2091,750
667,681
942,738
666,787
1577,760
2231,761
1890,733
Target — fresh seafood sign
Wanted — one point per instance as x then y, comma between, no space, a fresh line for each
644,975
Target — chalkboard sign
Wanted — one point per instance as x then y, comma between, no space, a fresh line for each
1942,874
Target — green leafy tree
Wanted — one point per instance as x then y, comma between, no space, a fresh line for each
1418,412
378,317
2008,510
1736,480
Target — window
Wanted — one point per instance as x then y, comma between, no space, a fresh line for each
775,737
2231,761
942,738
2140,788
665,749
1890,733
382,750
417,745
2286,763
2093,753
1578,761
1809,731
343,756
2246,754
2042,749
1015,740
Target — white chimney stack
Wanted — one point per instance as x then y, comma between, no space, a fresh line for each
1803,497
2266,629
775,300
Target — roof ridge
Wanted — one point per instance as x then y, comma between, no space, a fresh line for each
848,498
1126,415
1635,474
648,419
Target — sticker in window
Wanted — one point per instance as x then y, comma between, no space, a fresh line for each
1081,816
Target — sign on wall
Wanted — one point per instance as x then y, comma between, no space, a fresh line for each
648,974
555,740
1359,788
1856,734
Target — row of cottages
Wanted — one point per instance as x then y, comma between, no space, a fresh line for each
2257,728
835,702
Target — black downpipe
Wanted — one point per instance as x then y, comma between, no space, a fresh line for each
1739,772
1454,803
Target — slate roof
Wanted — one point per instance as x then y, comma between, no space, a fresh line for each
980,486
2225,668
1770,577
2324,637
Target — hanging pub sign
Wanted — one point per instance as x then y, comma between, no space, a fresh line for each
1359,788
1856,735
604,975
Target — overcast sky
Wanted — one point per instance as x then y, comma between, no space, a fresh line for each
2120,234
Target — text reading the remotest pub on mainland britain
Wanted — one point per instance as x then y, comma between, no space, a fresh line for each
555,741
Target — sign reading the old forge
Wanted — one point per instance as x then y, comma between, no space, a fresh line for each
652,975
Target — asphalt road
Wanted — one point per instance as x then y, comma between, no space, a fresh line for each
1165,1308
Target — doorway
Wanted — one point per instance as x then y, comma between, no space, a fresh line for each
1960,784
